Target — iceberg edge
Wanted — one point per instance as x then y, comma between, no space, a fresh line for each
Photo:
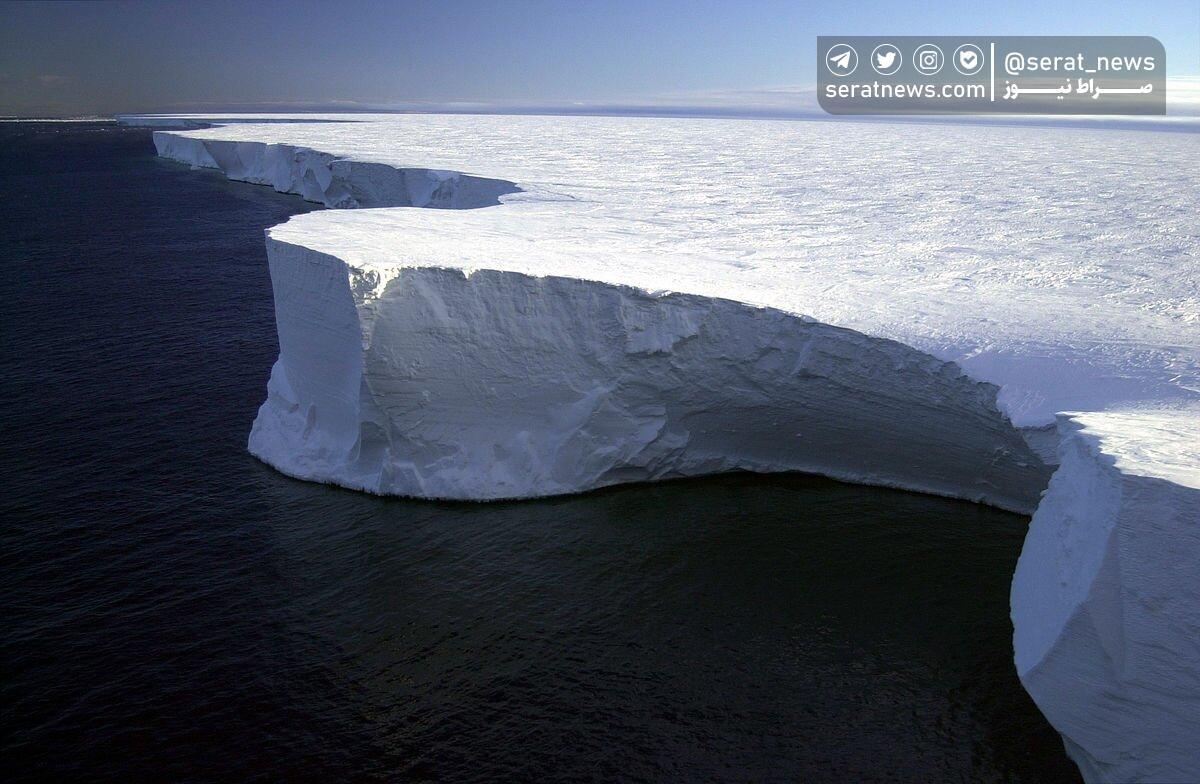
1099,626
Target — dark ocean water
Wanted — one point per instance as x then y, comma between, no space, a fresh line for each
175,610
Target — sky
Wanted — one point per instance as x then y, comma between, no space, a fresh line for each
80,58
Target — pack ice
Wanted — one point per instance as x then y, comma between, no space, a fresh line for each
954,309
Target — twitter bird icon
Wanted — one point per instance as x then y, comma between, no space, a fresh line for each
886,59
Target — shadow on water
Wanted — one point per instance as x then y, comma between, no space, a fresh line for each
175,609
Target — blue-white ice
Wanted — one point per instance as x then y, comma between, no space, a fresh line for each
642,298
1059,263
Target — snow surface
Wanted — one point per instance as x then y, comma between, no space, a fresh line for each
1057,263
641,298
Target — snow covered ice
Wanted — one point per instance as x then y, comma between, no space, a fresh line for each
1106,597
619,299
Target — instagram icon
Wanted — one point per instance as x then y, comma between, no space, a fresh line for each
928,59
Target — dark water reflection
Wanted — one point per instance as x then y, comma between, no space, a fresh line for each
175,610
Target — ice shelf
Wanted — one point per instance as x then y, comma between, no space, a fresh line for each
617,299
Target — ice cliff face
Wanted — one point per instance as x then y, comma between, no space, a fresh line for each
332,181
632,310
1106,597
496,384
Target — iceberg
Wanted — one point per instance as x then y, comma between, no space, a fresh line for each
510,385
1106,596
950,309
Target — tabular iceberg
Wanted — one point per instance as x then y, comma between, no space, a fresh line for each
1106,597
498,384
642,299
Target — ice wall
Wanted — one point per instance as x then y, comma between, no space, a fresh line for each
1106,597
329,180
443,384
